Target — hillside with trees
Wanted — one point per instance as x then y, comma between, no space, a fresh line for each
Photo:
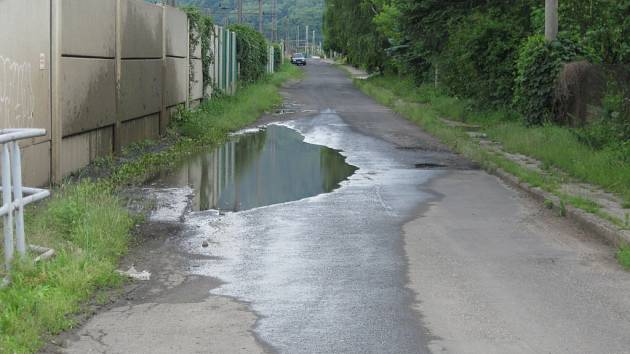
290,14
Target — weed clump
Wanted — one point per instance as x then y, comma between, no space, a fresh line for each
623,256
88,227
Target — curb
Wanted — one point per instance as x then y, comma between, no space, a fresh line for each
602,229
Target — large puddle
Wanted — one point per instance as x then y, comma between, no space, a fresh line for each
268,167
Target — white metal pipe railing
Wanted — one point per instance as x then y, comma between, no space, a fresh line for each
14,195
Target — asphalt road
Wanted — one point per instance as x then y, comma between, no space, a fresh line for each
397,260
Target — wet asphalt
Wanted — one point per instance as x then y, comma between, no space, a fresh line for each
328,274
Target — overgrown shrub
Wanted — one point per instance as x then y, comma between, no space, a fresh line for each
201,27
277,55
251,53
479,59
538,66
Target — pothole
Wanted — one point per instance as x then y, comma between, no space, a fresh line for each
410,148
429,165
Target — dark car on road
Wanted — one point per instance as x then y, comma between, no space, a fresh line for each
298,59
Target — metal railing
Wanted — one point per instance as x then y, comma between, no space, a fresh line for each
14,195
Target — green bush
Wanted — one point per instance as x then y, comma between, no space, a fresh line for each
538,66
277,56
251,53
479,59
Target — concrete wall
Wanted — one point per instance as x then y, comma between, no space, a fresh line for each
25,79
98,75
176,54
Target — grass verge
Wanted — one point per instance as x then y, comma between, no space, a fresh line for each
624,257
555,147
90,229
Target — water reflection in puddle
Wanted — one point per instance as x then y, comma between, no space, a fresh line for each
269,167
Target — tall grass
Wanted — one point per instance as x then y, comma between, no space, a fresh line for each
624,257
89,229
217,117
554,146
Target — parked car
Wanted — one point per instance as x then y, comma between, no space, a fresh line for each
298,59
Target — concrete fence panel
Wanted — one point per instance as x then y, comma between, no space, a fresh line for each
87,94
176,61
25,80
196,86
175,32
140,88
140,129
176,81
195,50
141,30
88,28
77,151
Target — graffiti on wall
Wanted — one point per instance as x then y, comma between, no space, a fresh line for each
17,101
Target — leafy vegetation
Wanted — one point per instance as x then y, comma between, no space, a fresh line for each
349,29
201,27
251,53
624,257
490,51
89,228
538,66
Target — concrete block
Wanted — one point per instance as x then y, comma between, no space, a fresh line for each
176,32
141,30
175,81
88,28
87,94
79,150
140,88
196,86
25,65
36,165
140,129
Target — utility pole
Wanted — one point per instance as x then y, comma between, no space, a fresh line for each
551,20
260,16
171,3
297,39
306,43
313,44
274,21
240,11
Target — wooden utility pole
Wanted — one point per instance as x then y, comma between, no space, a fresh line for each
306,43
274,21
551,20
240,11
260,16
